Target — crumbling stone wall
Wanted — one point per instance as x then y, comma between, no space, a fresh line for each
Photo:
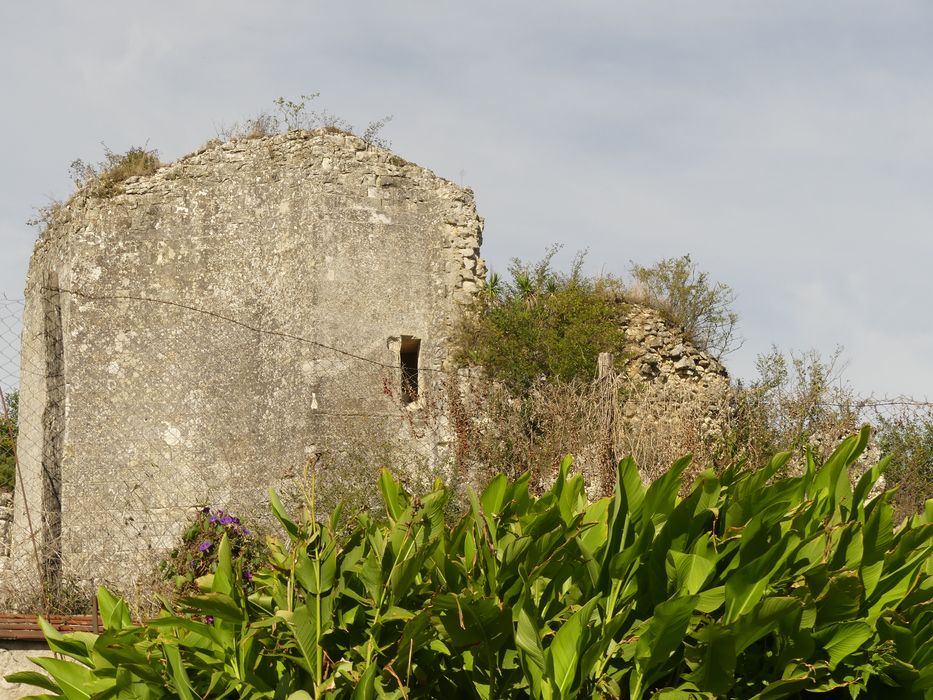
679,398
221,326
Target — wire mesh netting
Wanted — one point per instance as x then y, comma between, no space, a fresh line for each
124,416
129,415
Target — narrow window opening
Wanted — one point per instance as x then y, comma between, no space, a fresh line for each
409,351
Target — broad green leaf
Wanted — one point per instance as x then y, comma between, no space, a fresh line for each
563,655
303,624
366,688
842,638
40,680
528,640
661,636
688,572
661,495
179,674
113,610
894,586
68,644
902,637
711,599
742,593
279,511
76,681
785,688
841,599
769,615
716,669
866,482
392,494
215,604
878,533
317,575
493,497
626,507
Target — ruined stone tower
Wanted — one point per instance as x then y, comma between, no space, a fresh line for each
224,324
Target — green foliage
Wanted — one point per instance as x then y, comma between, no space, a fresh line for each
908,437
689,298
197,553
543,325
9,427
103,179
798,400
750,586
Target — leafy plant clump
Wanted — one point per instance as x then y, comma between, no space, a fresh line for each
197,554
689,298
542,325
750,586
103,179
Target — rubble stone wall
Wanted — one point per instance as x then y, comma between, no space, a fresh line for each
210,330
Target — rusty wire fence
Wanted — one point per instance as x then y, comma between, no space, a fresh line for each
122,416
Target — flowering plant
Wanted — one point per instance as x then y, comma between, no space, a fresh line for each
196,555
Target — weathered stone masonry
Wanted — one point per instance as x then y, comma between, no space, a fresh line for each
212,327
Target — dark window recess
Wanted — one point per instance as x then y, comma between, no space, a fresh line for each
408,359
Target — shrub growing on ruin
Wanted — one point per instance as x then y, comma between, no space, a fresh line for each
292,114
542,325
103,178
690,299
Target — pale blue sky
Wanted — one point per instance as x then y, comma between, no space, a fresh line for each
788,146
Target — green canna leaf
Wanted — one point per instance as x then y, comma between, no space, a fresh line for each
76,682
393,495
40,680
688,572
563,655
113,610
494,495
660,638
179,675
843,638
282,516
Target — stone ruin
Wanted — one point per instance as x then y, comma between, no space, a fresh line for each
242,319
222,326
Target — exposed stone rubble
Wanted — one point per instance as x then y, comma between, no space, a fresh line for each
678,397
659,352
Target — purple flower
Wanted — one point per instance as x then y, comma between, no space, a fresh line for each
245,531
209,619
204,546
226,520
248,575
205,510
